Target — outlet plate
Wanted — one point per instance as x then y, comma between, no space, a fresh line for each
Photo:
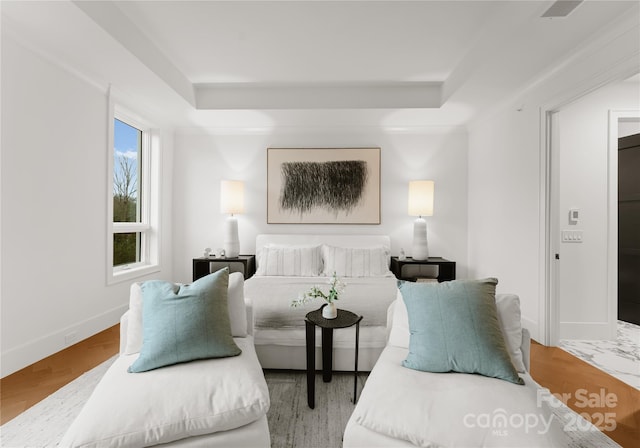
572,236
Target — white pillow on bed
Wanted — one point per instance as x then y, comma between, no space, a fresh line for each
235,301
296,261
508,306
356,262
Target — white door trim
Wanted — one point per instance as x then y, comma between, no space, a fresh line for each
612,219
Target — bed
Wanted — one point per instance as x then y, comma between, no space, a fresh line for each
404,407
288,265
218,402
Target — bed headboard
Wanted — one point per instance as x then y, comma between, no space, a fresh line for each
355,241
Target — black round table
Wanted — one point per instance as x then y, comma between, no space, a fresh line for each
343,320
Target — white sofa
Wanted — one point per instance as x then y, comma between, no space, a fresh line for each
206,403
401,407
279,329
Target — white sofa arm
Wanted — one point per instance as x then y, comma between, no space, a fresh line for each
525,347
124,328
248,304
390,311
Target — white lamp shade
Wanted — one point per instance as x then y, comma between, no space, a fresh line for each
231,196
421,198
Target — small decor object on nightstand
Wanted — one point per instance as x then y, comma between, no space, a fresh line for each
402,256
336,288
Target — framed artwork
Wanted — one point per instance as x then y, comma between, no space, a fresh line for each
323,185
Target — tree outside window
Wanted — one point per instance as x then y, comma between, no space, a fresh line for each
126,191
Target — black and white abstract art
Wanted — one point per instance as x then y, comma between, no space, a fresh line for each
323,186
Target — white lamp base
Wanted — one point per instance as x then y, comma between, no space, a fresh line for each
231,241
420,248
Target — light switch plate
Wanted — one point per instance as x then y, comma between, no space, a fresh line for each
572,236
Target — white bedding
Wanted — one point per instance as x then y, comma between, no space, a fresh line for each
451,409
370,337
172,403
272,296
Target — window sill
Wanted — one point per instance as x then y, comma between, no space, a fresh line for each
127,274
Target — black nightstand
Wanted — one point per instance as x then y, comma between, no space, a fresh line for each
206,265
446,268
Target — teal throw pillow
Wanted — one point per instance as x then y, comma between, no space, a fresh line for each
454,328
183,323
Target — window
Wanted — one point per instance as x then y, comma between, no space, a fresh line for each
127,194
133,199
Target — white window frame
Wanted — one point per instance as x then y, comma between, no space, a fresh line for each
148,227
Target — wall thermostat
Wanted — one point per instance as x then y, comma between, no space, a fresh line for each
574,216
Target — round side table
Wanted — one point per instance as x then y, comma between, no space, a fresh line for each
343,320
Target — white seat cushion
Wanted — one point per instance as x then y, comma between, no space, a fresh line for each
453,409
171,403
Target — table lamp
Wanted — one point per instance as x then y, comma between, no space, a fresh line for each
420,204
231,202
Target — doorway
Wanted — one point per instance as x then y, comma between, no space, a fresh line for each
628,225
587,307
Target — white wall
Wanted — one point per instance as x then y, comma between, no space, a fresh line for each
202,160
504,205
54,210
584,154
628,127
507,183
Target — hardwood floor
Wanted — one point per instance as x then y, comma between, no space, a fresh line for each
589,391
553,368
24,388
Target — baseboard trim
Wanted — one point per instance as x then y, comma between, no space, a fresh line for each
533,328
26,354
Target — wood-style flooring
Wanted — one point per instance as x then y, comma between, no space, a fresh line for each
555,369
24,388
590,392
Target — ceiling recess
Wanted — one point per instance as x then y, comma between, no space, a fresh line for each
561,8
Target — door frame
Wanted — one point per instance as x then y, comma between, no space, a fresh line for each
550,215
615,115
617,55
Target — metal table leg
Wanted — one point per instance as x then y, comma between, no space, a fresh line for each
311,363
355,374
327,354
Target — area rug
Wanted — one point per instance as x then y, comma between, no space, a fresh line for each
291,422
44,424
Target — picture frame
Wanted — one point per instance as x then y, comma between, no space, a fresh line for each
323,185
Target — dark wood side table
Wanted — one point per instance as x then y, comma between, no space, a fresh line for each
446,268
206,265
343,320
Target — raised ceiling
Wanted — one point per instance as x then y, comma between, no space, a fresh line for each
442,60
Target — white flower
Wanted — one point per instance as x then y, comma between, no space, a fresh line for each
337,288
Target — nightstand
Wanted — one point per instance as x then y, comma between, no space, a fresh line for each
206,265
446,268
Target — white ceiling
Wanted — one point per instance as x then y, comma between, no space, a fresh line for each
291,42
240,63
